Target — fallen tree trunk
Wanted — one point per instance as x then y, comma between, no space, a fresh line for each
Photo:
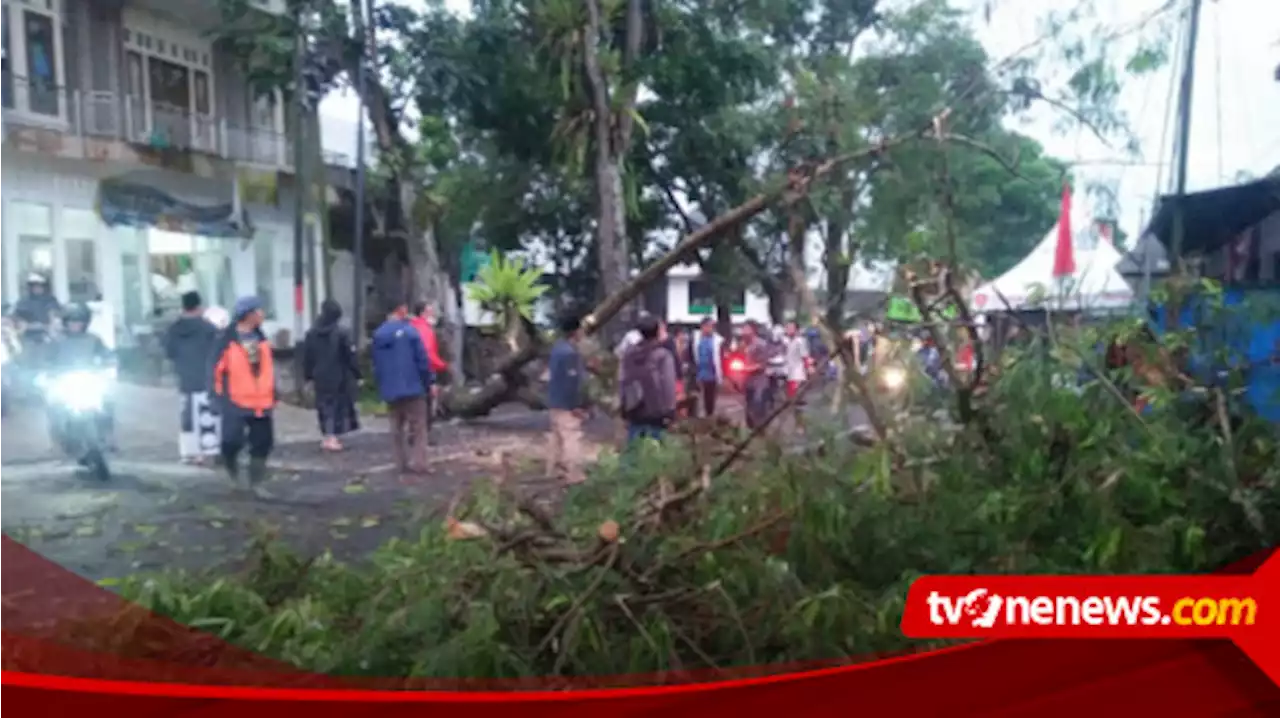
502,385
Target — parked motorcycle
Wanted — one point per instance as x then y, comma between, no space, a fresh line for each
77,402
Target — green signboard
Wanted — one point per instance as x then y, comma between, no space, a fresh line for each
473,260
901,309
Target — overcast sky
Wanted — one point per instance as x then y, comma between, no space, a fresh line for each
1236,104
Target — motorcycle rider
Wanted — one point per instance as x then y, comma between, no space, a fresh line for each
35,315
37,311
78,348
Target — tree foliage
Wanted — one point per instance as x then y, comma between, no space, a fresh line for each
659,563
508,288
531,124
708,103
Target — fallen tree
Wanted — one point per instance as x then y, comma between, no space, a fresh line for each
509,381
659,564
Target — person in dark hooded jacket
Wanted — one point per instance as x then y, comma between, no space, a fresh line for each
329,365
189,344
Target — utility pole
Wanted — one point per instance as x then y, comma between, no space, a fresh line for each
300,187
364,27
1184,134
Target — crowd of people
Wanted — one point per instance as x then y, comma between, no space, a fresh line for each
228,384
664,375
227,381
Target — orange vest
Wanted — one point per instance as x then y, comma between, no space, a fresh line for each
233,377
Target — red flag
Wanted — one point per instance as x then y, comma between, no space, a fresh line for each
1064,260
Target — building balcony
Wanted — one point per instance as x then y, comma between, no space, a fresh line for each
104,125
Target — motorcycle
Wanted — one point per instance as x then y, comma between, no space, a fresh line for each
77,404
735,371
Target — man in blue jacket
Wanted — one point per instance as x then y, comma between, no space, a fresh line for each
567,403
404,376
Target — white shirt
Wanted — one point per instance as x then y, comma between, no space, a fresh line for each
102,322
631,339
797,351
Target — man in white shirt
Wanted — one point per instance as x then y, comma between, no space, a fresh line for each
103,321
797,358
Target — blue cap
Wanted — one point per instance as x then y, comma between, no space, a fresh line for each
245,305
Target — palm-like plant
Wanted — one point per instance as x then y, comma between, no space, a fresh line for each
509,289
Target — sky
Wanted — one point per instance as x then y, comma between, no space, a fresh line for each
1235,125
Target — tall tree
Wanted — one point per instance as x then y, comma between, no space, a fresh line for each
262,45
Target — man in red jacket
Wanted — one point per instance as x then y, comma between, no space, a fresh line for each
424,320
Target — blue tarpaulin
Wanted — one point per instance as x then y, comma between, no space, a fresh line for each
1249,330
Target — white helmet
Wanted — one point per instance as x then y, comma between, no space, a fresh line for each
37,278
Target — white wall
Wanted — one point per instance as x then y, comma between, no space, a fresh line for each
756,305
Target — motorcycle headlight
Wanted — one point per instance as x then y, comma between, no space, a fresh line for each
894,378
79,390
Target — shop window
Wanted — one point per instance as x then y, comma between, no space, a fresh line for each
181,263
79,230
264,278
33,72
136,293
34,223
82,270
42,64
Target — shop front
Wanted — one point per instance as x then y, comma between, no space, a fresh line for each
105,248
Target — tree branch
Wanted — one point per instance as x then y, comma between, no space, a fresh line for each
799,181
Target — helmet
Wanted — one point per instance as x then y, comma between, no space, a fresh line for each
36,278
77,313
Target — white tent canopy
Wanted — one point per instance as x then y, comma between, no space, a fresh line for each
1095,285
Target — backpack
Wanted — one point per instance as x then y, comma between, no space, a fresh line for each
642,387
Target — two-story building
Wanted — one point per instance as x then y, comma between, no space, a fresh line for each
137,162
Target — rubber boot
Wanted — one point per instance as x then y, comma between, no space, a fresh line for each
258,476
232,466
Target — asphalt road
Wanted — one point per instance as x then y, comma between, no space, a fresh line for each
157,513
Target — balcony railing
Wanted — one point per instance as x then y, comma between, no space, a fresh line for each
107,115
